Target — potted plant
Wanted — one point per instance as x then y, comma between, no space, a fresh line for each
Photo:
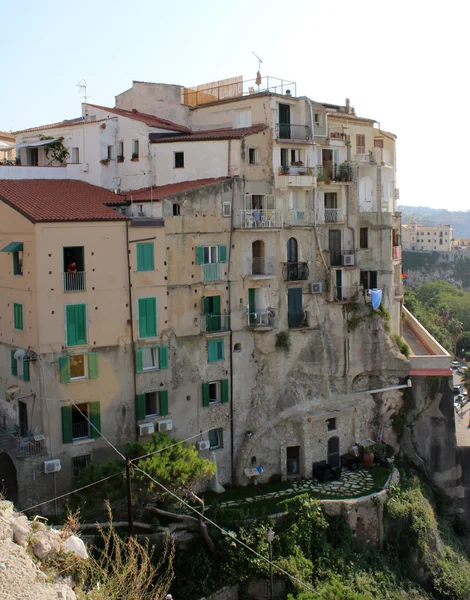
344,172
120,158
104,161
283,170
135,157
368,456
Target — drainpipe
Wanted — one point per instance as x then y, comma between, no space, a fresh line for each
408,384
229,158
232,445
131,312
349,202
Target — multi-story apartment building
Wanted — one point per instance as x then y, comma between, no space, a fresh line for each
418,238
216,297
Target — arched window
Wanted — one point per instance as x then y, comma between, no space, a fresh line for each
292,251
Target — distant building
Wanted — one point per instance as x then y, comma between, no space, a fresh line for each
6,141
417,237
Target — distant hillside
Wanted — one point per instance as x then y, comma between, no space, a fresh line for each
460,220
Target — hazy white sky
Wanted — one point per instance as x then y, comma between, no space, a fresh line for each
402,63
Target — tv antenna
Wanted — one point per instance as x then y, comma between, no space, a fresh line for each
82,89
258,74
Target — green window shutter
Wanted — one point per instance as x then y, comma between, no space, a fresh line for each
139,362
76,324
163,398
147,317
14,364
205,394
215,350
222,254
25,369
216,305
205,305
71,326
199,255
18,316
145,257
64,369
163,357
140,406
67,425
224,390
95,418
210,351
93,365
220,350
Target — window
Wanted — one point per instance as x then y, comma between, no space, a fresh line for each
145,257
226,209
237,347
19,366
241,118
378,143
147,359
215,392
152,404
284,157
294,156
79,463
32,157
360,143
147,317
18,263
215,350
75,155
176,209
331,423
135,149
78,366
252,156
109,153
364,237
211,254
120,151
76,325
18,316
440,241
317,118
178,160
81,422
368,279
216,438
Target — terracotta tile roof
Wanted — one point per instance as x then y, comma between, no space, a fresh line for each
5,134
350,117
226,133
163,191
41,200
64,123
150,120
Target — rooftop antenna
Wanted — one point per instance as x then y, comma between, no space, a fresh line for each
82,85
258,74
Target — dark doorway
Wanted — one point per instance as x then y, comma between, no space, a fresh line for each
334,246
257,252
211,308
295,314
293,460
8,479
339,284
23,418
333,452
284,121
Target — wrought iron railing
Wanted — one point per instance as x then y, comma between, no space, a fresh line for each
295,271
262,266
261,318
211,272
22,446
300,217
215,323
258,218
80,430
299,170
288,131
75,282
329,215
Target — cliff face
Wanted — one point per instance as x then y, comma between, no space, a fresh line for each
425,267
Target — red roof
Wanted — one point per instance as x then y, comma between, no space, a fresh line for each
41,200
64,123
150,120
226,133
5,134
163,191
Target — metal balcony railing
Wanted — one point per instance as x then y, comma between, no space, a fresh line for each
288,131
293,170
258,218
211,272
329,215
346,293
261,318
80,430
295,271
74,282
262,266
300,217
22,446
339,173
215,323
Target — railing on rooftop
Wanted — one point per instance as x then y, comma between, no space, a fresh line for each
288,131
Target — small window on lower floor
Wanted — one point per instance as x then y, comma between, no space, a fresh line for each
78,366
149,358
214,392
226,209
252,156
216,438
237,347
364,237
79,463
151,404
331,423
176,209
75,155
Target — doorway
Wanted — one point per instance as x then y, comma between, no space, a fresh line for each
333,452
23,418
295,314
339,284
334,246
257,252
284,121
293,460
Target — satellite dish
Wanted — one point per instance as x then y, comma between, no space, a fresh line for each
20,354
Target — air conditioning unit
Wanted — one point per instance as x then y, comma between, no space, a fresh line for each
348,260
316,287
203,445
146,428
52,466
166,425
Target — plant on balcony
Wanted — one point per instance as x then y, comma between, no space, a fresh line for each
283,170
135,157
56,150
344,172
323,177
105,161
120,158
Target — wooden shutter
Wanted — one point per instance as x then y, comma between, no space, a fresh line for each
220,350
67,424
145,257
140,406
147,317
205,305
163,399
92,365
18,316
199,255
224,390
80,311
64,369
76,324
163,357
25,369
205,394
211,351
222,254
14,364
95,418
139,361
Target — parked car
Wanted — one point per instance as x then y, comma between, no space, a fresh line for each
457,389
455,364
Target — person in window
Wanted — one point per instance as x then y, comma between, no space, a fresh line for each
72,267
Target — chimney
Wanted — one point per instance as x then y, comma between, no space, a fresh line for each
348,106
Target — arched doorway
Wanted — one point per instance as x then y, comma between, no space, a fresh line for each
292,251
257,253
333,452
8,479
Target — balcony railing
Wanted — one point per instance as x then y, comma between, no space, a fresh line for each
329,215
261,318
346,293
295,271
261,266
74,282
287,131
211,272
22,446
215,323
296,170
80,430
339,173
258,218
296,319
300,217
396,252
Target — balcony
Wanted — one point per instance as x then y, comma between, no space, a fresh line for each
80,430
261,267
74,282
346,293
261,319
22,446
336,173
215,323
396,252
211,272
270,218
295,271
329,215
296,177
300,217
287,131
381,156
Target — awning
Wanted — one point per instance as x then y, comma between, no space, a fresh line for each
33,144
13,247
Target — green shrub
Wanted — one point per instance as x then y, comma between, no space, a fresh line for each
402,345
283,341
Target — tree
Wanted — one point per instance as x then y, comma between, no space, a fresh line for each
456,328
466,380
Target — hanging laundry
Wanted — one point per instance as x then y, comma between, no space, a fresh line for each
376,297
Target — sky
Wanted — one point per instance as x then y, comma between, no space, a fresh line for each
403,63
